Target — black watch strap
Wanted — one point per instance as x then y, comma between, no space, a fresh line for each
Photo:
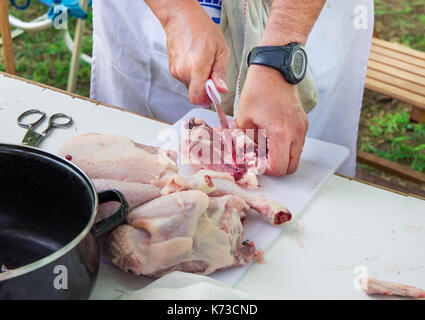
270,56
289,60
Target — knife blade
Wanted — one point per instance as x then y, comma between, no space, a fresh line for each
213,94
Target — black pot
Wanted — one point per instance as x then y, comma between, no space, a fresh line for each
47,233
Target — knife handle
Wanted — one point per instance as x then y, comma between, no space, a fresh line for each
212,91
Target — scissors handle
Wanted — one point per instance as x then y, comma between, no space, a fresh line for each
30,125
55,125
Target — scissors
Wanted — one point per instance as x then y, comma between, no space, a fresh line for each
32,138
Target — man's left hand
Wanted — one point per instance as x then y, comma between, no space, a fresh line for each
269,102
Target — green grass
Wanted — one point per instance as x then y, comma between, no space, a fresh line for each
397,139
401,21
381,9
386,130
43,56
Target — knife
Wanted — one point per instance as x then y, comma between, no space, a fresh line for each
213,94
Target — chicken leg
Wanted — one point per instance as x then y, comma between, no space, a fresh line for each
221,184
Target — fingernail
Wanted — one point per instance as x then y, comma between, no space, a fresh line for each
223,84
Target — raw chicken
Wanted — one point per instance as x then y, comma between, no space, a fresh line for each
154,150
204,147
134,193
379,287
118,158
220,184
184,231
270,211
200,181
175,215
187,223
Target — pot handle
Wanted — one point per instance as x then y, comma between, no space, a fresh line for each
115,219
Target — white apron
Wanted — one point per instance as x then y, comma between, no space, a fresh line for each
130,66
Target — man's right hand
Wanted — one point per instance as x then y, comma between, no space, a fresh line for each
196,46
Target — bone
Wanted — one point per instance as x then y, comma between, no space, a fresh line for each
271,212
200,181
374,286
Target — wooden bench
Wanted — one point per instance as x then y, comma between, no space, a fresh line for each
9,58
399,72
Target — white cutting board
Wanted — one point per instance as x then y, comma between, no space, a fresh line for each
319,161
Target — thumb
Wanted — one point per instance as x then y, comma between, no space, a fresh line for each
244,122
219,72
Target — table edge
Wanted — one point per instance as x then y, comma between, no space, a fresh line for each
77,96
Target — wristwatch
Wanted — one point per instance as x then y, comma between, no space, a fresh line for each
289,60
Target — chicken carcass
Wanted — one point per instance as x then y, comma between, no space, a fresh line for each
221,184
187,223
186,231
204,147
118,158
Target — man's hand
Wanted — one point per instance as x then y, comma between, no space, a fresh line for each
269,102
196,46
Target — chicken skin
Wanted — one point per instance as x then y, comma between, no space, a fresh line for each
185,231
175,222
118,158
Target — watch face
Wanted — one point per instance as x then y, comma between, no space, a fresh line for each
299,63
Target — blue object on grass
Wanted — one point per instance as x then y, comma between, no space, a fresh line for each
73,7
22,7
56,11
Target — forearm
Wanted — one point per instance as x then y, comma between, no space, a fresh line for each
164,11
291,21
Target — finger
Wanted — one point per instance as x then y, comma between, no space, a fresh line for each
180,71
219,72
295,155
297,147
172,66
278,155
197,92
244,122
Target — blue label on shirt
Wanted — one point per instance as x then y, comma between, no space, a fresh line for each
213,9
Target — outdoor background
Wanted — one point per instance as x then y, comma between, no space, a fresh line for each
384,126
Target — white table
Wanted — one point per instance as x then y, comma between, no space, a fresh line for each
347,226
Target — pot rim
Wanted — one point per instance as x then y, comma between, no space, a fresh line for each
13,273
